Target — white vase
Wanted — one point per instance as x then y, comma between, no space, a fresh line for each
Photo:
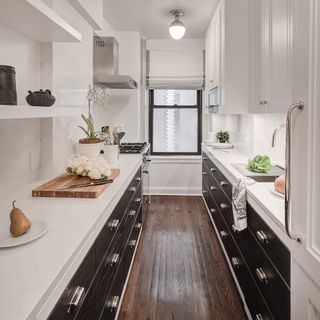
90,150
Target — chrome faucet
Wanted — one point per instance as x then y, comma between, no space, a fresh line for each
275,133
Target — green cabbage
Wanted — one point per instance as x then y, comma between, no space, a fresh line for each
260,164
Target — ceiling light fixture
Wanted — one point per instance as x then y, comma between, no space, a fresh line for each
177,28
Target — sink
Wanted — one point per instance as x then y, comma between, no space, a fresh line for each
275,172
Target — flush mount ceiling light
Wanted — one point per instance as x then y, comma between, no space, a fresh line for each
177,28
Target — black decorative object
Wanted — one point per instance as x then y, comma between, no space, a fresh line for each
8,91
42,98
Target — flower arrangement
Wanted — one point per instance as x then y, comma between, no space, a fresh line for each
93,168
223,136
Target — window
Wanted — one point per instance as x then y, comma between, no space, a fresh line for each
175,122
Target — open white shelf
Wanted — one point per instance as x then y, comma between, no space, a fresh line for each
37,20
25,112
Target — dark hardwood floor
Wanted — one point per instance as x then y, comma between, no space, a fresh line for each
180,271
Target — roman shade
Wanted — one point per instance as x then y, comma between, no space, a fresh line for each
178,69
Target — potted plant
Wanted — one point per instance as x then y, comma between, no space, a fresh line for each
223,136
90,146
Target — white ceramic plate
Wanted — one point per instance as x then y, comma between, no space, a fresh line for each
275,192
37,230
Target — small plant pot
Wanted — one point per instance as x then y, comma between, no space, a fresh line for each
90,148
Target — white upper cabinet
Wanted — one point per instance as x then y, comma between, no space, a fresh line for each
271,56
227,55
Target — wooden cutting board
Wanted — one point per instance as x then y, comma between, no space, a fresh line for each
53,187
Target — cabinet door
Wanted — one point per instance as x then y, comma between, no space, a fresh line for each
272,55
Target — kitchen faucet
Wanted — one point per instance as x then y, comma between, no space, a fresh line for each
275,133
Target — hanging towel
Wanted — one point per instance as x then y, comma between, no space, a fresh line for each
239,203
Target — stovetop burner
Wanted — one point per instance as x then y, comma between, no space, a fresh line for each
132,147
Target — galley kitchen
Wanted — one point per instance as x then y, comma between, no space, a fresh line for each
159,160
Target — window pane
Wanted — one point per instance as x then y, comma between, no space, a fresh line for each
175,130
175,97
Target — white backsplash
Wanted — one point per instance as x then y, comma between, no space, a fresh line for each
252,134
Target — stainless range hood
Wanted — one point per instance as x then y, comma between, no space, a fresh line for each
106,65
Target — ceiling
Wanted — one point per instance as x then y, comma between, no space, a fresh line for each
152,18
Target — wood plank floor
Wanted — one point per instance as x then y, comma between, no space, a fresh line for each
180,271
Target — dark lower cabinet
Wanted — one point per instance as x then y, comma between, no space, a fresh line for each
96,288
259,260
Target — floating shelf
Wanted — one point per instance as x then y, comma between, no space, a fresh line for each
36,20
27,112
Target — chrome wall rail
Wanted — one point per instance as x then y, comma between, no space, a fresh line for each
288,187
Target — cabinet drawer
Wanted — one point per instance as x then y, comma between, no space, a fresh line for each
222,181
112,302
270,243
272,287
77,289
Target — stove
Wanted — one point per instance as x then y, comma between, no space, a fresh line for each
132,147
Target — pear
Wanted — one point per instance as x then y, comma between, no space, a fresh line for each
20,224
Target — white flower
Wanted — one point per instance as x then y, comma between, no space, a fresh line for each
80,170
94,174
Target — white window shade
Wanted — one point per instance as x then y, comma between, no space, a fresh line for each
175,69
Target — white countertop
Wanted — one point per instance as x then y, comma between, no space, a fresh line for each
33,276
269,206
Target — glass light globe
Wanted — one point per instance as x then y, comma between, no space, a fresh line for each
177,29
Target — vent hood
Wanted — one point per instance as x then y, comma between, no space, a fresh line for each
106,65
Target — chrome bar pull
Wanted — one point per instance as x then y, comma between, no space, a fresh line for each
204,158
132,213
204,173
138,225
224,206
113,224
223,234
132,243
235,262
76,297
132,189
261,275
213,169
113,303
138,179
213,188
137,200
213,211
223,183
262,237
288,187
114,259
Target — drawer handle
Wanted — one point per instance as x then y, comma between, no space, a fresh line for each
223,234
138,225
113,303
132,243
114,259
223,183
132,189
261,275
76,297
132,213
224,206
114,224
213,169
213,188
235,262
204,173
262,237
204,158
204,191
213,211
138,179
258,316
137,200
234,229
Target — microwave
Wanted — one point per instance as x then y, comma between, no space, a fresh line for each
213,100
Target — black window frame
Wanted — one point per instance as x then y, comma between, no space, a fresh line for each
198,106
